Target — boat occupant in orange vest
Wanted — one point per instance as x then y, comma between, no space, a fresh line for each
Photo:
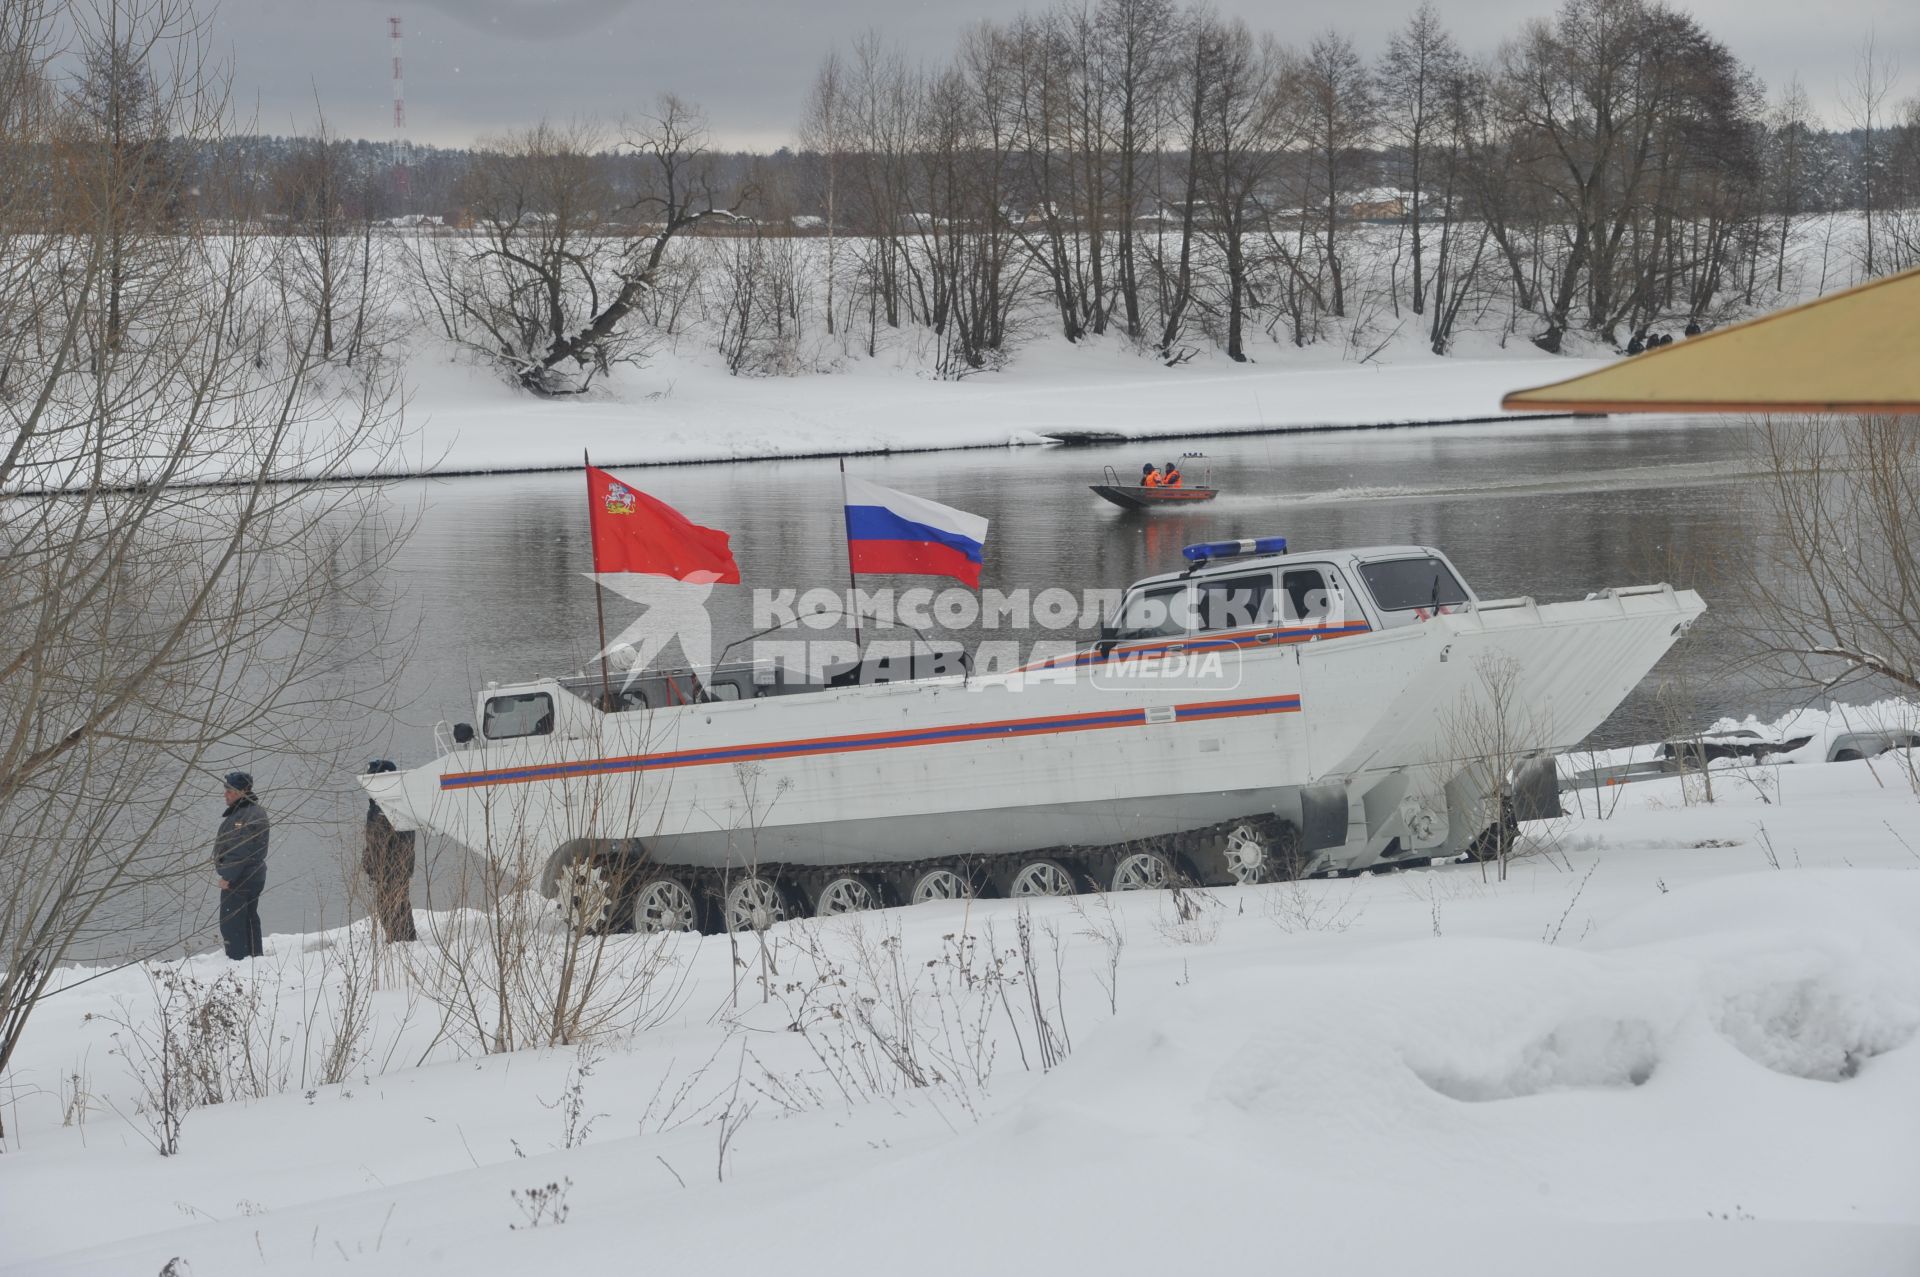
1149,477
1171,478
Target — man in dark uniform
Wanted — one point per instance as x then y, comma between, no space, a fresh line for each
240,862
388,861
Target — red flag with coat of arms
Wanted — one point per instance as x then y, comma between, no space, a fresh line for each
632,532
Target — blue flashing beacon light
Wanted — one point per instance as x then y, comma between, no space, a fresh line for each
1232,549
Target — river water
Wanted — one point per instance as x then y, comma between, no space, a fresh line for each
490,584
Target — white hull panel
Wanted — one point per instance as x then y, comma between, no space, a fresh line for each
1046,758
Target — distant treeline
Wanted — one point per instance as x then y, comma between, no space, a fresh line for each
1127,166
436,173
1610,164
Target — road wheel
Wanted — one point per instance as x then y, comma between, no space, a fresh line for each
664,904
588,895
1248,852
1142,871
1041,878
1245,855
844,894
939,884
753,903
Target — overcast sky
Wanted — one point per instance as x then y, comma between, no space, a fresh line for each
477,66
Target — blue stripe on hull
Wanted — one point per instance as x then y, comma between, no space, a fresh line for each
1002,730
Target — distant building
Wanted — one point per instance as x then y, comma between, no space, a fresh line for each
1377,204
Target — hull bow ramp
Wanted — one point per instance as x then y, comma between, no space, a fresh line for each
1261,714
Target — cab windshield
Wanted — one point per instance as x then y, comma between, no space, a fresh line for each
1401,584
1160,612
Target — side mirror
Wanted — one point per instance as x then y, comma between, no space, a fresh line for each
1108,637
462,733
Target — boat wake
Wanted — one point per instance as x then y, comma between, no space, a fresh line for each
1705,474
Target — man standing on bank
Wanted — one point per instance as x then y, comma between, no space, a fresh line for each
388,861
240,861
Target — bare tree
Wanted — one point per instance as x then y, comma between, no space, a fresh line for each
1055,81
782,280
1087,143
741,273
1834,594
1243,130
763,283
138,70
1137,39
1494,188
1864,97
545,259
29,117
1334,99
1493,737
156,631
327,259
310,190
885,95
513,972
1621,112
1790,165
1711,187
1902,219
1192,74
965,277
1456,269
1569,96
1420,71
563,285
825,132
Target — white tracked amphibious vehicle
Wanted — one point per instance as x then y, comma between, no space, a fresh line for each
1258,715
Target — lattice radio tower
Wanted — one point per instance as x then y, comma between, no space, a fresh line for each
402,183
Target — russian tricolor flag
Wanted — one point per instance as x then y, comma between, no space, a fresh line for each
889,531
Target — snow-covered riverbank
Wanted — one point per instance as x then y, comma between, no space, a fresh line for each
861,389
1678,1039
683,408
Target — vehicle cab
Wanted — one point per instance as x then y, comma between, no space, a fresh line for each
573,708
1256,591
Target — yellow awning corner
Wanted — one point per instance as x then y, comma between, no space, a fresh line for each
1856,351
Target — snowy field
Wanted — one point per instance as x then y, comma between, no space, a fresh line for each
1679,1038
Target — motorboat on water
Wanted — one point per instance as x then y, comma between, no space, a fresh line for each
1257,714
1136,496
1131,496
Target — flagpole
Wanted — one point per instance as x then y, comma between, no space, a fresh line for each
599,607
853,587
